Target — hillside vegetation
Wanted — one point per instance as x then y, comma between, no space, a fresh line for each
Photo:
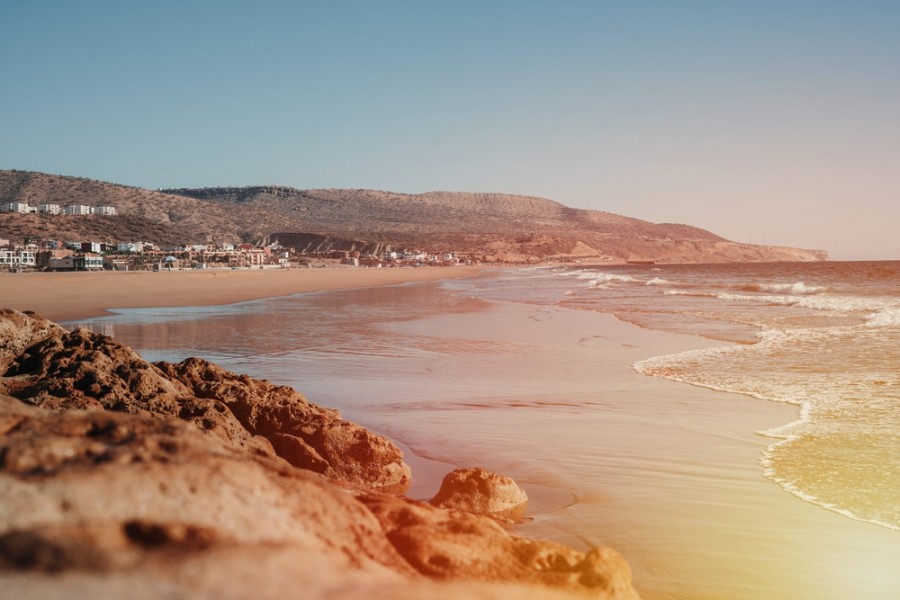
497,226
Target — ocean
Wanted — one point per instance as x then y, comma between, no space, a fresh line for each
822,336
733,430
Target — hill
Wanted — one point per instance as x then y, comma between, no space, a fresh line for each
499,226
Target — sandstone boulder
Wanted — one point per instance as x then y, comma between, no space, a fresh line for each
480,492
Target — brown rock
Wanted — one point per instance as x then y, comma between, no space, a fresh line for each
306,435
479,492
19,330
82,369
88,371
102,504
449,545
100,492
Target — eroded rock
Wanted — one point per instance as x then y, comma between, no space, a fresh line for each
306,435
19,330
479,492
84,370
448,545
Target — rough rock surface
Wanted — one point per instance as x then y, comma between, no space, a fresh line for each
19,330
479,492
86,370
307,436
445,544
127,499
91,494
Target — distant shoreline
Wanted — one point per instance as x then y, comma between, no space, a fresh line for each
81,295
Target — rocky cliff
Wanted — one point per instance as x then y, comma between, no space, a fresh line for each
121,478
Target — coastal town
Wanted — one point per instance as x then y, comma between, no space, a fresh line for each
95,255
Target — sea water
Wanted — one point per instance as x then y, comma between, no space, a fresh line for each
822,336
525,373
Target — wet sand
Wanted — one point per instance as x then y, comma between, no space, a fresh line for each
69,296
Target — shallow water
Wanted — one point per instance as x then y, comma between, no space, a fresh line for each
502,372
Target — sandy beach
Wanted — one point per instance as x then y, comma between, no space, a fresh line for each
68,296
666,473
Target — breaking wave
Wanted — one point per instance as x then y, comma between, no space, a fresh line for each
794,289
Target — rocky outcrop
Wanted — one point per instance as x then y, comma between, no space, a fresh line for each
19,330
306,435
90,496
89,371
479,492
119,478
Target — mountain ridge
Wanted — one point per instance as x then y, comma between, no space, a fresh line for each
494,226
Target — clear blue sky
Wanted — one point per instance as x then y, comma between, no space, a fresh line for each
770,122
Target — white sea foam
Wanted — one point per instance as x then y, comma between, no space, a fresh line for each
794,289
659,281
843,304
690,294
828,397
604,277
886,317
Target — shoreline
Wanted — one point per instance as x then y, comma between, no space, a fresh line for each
701,444
651,462
75,296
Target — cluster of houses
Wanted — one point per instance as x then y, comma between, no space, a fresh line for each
57,209
94,256
124,256
54,255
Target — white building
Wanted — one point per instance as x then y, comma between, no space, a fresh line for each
16,207
16,258
79,209
130,246
109,211
50,209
